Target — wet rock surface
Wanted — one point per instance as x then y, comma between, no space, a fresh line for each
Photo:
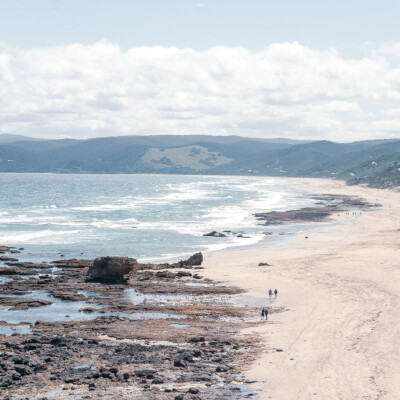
326,206
215,234
16,303
163,332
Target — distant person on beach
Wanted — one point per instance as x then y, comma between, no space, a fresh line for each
266,314
275,293
270,292
262,313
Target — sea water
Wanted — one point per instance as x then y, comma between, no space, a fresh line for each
149,217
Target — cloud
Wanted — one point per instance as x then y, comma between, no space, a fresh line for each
284,90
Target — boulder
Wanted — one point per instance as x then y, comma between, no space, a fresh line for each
111,269
195,259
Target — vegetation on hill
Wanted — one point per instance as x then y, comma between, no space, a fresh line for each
374,162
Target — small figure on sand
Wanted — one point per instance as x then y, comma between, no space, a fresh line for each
270,292
276,293
266,314
262,313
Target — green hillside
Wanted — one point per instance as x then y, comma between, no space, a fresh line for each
372,162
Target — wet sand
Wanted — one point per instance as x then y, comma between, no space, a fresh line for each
339,336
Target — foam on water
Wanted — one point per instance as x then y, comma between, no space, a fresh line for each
149,217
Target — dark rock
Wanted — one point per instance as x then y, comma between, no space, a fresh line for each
179,397
74,263
165,274
6,381
179,363
4,249
16,271
145,373
67,295
264,264
111,269
4,258
197,339
57,341
157,381
20,360
87,310
195,259
23,370
16,376
215,234
31,346
193,391
44,281
18,303
183,273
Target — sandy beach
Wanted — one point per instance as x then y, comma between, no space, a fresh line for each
339,335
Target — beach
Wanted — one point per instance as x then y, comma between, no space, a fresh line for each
338,336
192,327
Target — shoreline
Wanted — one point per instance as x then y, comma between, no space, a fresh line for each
46,233
324,322
282,358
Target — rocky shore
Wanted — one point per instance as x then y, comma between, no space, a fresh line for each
325,206
115,328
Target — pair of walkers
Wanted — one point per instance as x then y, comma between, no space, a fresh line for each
264,313
275,293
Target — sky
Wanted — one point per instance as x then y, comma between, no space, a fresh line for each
259,68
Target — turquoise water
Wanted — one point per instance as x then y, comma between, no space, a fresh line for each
149,217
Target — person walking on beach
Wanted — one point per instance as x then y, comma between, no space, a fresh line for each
266,314
270,292
262,313
276,293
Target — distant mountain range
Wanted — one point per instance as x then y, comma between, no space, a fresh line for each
374,162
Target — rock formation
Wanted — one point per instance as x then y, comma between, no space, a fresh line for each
111,269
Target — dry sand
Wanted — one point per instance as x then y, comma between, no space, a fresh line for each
340,335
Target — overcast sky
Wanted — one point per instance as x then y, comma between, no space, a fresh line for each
287,68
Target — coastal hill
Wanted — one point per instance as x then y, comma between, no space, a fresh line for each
374,162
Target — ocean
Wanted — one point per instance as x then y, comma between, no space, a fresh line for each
149,217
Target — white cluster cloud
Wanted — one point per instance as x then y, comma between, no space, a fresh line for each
285,90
